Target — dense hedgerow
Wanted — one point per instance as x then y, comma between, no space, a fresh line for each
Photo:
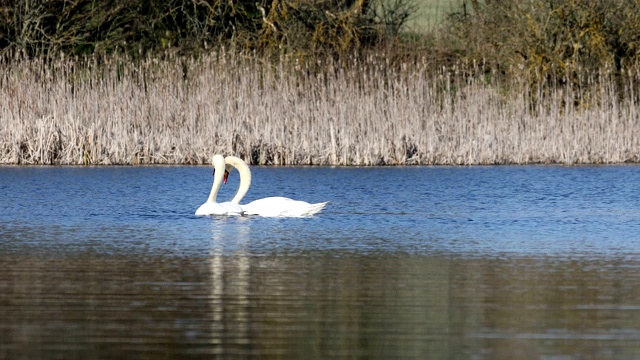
552,40
82,27
549,39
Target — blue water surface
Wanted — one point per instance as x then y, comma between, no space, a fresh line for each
470,211
404,262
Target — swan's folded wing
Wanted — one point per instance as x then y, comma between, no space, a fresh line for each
304,209
278,206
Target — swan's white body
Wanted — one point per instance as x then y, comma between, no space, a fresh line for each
278,206
275,206
211,207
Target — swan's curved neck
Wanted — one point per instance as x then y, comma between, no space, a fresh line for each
218,177
245,177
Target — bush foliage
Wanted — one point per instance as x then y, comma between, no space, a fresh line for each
566,41
551,39
44,27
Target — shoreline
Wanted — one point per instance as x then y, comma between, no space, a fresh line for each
622,164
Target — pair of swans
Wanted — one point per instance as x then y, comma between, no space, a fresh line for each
275,206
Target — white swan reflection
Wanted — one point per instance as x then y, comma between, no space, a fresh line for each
230,273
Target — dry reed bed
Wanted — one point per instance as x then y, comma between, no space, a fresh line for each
155,112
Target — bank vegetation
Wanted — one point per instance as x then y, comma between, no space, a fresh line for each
326,83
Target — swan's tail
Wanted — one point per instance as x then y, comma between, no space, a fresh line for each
315,208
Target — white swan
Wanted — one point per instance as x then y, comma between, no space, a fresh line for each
275,206
211,207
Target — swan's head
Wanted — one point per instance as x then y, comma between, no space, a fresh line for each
227,169
218,163
230,163
226,175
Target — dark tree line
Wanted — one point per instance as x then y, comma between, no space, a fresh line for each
45,27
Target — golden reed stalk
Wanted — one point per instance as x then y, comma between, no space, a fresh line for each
181,111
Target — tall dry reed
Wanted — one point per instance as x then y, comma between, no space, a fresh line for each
179,111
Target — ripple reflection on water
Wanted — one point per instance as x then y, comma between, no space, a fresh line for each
512,262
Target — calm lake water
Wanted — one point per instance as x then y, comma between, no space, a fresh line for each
537,262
